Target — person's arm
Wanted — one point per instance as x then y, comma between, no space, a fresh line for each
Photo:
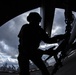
58,37
54,39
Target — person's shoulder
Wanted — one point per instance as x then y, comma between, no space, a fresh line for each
25,26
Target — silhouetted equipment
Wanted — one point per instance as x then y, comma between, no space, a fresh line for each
65,46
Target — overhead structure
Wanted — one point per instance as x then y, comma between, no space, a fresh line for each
12,8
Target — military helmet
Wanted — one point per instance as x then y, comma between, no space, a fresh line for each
34,16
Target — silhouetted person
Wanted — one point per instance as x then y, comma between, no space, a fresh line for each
30,37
